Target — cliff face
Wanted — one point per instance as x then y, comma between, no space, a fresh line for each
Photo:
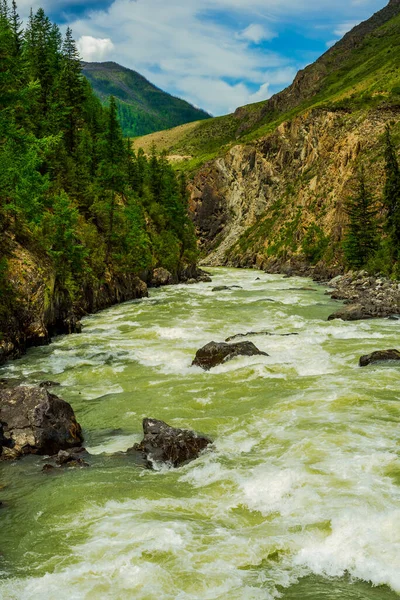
284,194
42,309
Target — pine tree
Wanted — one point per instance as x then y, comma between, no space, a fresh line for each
16,28
112,168
391,193
361,243
71,90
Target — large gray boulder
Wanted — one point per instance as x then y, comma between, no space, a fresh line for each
162,443
379,356
36,422
161,277
217,353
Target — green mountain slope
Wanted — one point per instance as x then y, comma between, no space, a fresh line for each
362,70
271,183
142,107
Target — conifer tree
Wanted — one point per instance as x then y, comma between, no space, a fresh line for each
112,167
16,28
360,243
391,193
71,90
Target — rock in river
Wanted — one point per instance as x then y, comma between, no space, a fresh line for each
162,443
36,422
352,312
214,353
161,277
379,356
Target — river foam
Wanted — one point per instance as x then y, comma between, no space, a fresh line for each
303,478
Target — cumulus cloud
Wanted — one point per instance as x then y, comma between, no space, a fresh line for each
94,49
256,33
218,54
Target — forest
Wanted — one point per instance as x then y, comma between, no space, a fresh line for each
71,187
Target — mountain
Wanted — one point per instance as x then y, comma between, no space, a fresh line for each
143,108
271,181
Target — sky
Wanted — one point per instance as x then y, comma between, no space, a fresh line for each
216,54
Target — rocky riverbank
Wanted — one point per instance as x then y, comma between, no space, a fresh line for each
365,297
42,308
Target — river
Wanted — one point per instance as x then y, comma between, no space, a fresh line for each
298,499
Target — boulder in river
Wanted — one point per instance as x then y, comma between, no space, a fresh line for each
37,422
379,356
224,288
162,443
161,277
48,384
217,353
352,312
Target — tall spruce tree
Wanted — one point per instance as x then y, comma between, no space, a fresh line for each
72,90
361,241
391,193
113,168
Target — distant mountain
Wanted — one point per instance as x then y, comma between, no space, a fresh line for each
143,108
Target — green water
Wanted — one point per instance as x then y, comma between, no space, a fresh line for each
299,498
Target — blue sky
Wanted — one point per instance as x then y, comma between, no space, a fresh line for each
217,54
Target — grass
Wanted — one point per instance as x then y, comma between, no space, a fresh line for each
351,79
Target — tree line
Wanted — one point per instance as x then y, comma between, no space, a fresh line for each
71,187
372,240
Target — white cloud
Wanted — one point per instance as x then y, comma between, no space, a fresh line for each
256,33
213,53
94,49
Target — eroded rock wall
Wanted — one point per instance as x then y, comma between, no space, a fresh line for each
257,203
42,308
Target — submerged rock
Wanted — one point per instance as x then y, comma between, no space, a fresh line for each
217,353
48,384
250,333
379,356
72,458
353,312
223,288
162,443
37,422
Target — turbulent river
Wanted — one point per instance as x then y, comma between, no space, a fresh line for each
299,497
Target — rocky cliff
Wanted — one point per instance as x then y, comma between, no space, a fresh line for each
283,195
41,308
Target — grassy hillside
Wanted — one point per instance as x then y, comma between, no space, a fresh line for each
142,107
360,71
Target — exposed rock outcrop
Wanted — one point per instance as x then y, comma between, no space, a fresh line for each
162,443
36,422
217,353
379,356
43,309
254,206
